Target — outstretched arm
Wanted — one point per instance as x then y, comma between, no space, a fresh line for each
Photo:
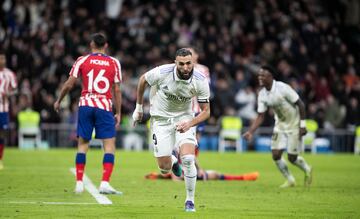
69,84
259,119
138,113
301,106
184,126
117,96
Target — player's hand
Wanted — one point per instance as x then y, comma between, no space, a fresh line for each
57,106
117,120
183,126
248,135
137,117
137,114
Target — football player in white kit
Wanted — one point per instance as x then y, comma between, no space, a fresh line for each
289,126
172,88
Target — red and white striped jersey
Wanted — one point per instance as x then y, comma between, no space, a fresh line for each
98,73
8,83
205,71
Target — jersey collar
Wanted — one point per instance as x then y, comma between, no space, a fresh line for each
272,87
98,54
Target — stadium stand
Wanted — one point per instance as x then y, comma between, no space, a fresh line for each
314,45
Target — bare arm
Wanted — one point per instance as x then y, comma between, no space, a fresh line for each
203,115
184,126
117,96
142,84
259,119
138,112
301,106
68,85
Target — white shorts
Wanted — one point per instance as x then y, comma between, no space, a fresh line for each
282,140
166,138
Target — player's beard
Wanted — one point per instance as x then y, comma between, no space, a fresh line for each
183,76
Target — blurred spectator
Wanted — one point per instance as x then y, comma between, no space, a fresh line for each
334,113
245,100
353,112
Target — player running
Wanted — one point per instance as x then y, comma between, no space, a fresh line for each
289,127
172,88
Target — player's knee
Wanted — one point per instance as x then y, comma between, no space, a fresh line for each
188,162
292,158
276,156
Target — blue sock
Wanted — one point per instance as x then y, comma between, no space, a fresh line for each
80,165
108,158
80,158
108,165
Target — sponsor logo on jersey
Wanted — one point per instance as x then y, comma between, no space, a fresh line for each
177,98
99,62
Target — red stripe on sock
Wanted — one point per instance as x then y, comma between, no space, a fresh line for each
80,171
107,170
1,151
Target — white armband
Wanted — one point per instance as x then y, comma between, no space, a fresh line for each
302,123
138,110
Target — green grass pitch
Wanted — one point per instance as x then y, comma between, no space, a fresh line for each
32,179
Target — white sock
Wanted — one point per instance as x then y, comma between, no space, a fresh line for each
190,174
301,163
282,166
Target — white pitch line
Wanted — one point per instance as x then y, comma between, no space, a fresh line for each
54,203
89,186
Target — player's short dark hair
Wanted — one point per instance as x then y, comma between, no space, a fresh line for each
99,39
183,52
270,69
2,51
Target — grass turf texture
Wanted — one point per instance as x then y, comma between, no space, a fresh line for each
44,176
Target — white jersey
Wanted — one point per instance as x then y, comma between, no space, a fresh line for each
281,98
205,71
170,96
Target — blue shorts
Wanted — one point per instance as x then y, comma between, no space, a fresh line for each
91,117
4,120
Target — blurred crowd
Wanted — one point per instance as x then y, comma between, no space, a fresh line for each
314,45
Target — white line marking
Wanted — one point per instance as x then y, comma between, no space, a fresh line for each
54,203
89,186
